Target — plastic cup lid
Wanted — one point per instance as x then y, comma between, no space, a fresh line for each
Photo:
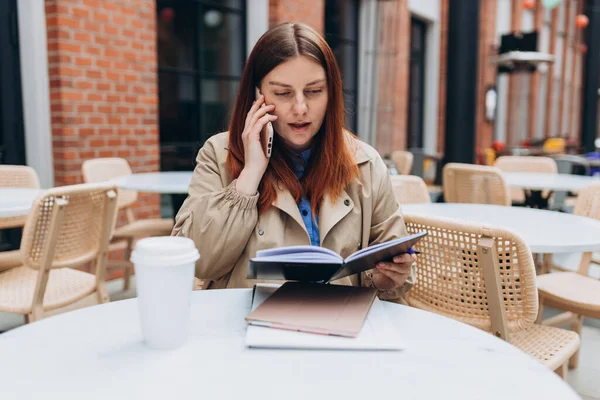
161,250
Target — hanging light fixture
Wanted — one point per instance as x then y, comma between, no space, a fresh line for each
581,21
529,4
167,14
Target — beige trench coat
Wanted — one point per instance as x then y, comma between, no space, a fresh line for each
228,230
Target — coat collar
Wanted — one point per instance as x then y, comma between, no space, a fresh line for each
331,212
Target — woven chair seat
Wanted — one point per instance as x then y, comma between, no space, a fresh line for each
576,292
65,286
10,259
145,227
552,346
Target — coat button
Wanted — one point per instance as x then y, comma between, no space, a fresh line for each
261,232
347,202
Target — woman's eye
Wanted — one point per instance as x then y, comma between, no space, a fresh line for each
315,91
282,93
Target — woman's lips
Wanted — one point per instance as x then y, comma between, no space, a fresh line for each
300,127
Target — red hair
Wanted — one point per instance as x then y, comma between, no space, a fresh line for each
332,166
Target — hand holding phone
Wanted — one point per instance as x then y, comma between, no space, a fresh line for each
266,134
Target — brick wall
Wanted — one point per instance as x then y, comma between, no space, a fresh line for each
310,12
103,86
394,62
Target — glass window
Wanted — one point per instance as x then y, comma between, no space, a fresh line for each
201,54
341,32
416,94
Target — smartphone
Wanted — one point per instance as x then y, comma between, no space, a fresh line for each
266,135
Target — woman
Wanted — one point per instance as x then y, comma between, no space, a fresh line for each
321,185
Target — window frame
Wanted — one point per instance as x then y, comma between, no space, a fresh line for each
200,76
335,38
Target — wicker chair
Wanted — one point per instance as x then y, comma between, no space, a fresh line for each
485,277
525,164
410,189
15,176
103,169
68,227
403,160
479,184
574,292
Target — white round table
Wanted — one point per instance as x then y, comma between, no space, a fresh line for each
540,181
16,202
543,231
156,182
98,353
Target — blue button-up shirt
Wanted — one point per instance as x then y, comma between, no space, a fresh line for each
310,221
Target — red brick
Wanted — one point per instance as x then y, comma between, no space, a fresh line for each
83,37
94,97
95,120
91,26
93,74
105,109
81,12
103,87
85,108
65,20
83,61
87,131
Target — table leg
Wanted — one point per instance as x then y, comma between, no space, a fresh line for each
535,199
546,263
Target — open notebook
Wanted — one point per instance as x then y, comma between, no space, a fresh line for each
378,332
318,264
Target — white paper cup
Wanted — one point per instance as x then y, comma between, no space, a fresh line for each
164,268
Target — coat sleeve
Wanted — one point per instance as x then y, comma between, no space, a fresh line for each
217,217
387,223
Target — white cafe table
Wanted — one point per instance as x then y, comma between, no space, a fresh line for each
555,182
156,182
98,353
544,231
16,202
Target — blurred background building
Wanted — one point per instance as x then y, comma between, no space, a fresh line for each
151,80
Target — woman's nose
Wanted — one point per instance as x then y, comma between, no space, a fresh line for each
300,107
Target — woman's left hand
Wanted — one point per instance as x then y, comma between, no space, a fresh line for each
392,275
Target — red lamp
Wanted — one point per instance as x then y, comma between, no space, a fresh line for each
529,4
167,14
581,21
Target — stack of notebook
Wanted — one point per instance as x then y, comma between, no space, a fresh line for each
302,315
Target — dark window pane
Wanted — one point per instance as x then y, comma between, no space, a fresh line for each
345,55
175,27
178,120
235,4
218,97
341,32
177,106
341,20
220,41
417,84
